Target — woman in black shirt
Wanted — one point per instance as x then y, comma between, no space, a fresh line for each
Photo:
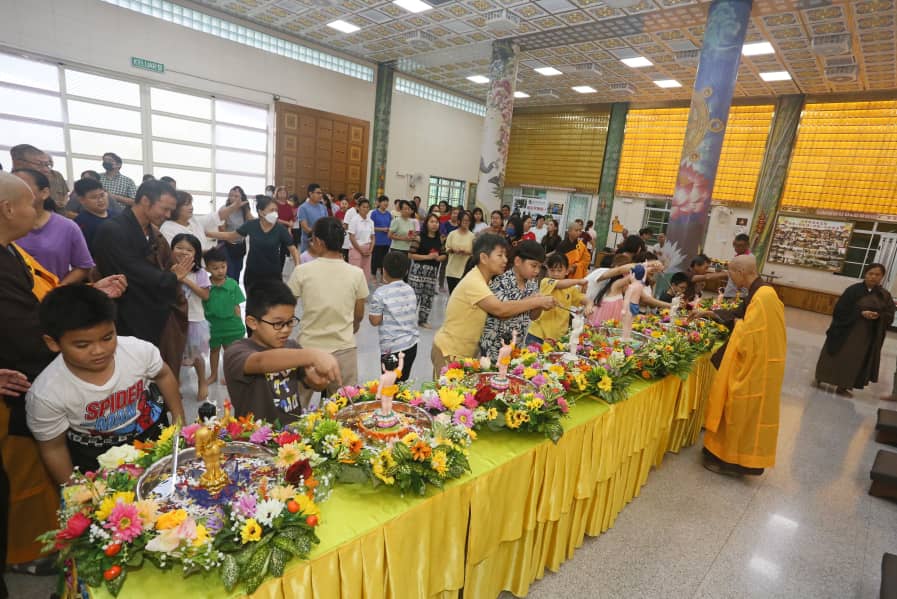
426,254
551,240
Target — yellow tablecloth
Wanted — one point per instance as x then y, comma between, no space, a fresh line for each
526,506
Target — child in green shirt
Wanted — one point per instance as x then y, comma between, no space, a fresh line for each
222,308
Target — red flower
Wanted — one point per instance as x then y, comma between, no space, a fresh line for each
234,429
287,437
484,395
74,528
299,470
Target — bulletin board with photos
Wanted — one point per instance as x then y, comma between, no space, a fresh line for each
810,242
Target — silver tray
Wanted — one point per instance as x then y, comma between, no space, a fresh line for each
636,338
562,357
351,414
517,384
161,469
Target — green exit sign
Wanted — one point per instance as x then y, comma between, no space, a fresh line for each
147,65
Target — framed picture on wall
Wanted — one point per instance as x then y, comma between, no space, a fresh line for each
810,242
471,196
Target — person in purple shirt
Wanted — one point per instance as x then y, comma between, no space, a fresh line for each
309,212
56,242
382,218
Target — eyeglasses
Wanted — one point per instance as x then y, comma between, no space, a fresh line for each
45,163
279,325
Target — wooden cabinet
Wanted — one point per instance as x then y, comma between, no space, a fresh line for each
807,299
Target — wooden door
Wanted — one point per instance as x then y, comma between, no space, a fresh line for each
313,146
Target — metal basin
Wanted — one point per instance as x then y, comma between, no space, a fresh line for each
353,415
517,385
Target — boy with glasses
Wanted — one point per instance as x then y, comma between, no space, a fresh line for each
263,372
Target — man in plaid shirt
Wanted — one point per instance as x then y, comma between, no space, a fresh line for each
121,189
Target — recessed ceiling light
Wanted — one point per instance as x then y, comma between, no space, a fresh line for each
667,83
478,79
341,25
776,76
413,5
521,95
757,49
584,89
636,62
548,71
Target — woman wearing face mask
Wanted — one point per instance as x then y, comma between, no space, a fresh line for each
268,239
514,230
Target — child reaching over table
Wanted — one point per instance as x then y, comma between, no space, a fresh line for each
101,390
553,323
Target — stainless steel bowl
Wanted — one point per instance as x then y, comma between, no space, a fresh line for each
636,338
516,386
352,414
563,358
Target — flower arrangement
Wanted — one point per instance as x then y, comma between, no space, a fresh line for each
106,531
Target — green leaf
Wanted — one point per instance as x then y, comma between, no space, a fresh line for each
279,559
256,569
286,544
116,583
136,559
230,571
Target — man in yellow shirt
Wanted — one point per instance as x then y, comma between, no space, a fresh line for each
742,418
472,301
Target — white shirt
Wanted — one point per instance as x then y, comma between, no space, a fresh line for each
479,227
195,311
197,227
58,400
539,232
362,228
351,214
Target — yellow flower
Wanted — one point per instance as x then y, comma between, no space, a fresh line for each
76,494
450,398
109,502
454,374
251,531
202,535
472,434
381,465
529,372
167,432
171,519
581,381
148,510
556,370
492,413
331,408
535,403
511,419
282,492
306,505
656,334
439,462
288,455
313,417
521,417
348,436
668,348
605,384
410,438
546,347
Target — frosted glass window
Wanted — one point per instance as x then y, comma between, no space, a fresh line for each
170,153
59,165
185,104
202,203
30,104
227,160
79,165
46,137
103,117
172,128
245,139
29,72
251,185
102,88
199,181
241,114
97,144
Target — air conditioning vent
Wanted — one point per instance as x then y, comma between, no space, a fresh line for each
622,3
548,93
420,40
842,74
624,87
502,20
831,45
586,68
689,57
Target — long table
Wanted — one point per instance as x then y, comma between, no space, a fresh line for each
526,506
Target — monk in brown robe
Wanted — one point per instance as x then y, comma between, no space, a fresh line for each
742,417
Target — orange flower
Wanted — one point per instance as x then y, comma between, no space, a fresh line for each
144,445
311,482
356,446
646,374
420,451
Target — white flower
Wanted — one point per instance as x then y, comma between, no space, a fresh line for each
118,455
267,510
444,418
485,363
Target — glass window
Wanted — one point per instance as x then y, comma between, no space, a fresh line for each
251,185
46,137
131,169
170,153
656,216
103,117
449,190
31,73
101,88
245,139
241,114
185,104
202,203
30,104
188,180
93,143
228,160
172,128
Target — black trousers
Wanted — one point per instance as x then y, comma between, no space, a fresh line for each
408,362
452,282
377,256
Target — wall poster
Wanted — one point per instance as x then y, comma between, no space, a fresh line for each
810,242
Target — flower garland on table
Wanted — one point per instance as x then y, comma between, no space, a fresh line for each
412,464
106,531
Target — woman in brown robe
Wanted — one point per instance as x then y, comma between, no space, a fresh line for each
852,351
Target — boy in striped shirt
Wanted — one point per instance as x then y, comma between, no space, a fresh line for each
394,309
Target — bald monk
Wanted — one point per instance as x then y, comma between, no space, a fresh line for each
32,498
578,256
742,418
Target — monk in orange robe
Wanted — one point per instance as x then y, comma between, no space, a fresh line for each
742,418
578,256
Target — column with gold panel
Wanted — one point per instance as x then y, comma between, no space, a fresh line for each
497,124
609,169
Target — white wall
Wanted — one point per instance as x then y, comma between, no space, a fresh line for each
630,211
430,139
723,228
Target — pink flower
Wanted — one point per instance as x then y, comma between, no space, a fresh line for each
245,505
463,417
189,432
417,400
518,370
124,522
261,436
539,380
349,391
562,404
470,401
434,403
74,528
628,351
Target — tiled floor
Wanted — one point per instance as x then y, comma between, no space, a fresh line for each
805,529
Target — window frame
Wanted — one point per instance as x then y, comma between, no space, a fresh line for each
450,190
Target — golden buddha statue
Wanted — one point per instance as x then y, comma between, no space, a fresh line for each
208,448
